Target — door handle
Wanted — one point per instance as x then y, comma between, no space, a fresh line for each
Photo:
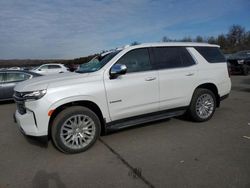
190,74
150,78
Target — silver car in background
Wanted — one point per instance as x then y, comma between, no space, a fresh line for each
9,79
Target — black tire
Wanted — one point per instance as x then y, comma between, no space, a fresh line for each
192,111
64,117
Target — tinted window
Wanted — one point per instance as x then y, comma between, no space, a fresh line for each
187,59
44,67
1,77
14,77
211,54
136,60
171,57
54,67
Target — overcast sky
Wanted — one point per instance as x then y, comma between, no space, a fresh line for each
74,28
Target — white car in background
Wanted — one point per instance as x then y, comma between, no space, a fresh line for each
47,69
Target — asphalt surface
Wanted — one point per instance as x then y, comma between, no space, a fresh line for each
170,153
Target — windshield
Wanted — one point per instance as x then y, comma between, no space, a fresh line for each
96,63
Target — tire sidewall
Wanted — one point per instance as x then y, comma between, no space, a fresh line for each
192,109
62,117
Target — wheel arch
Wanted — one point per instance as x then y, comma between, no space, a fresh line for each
86,103
212,87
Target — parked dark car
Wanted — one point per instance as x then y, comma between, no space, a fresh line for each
240,62
9,79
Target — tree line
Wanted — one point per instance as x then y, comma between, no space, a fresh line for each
236,39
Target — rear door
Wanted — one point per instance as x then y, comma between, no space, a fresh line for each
177,75
53,69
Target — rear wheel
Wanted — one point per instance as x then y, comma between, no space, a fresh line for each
202,105
75,129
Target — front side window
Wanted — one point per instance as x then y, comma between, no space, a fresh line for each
136,60
16,77
44,67
171,57
211,54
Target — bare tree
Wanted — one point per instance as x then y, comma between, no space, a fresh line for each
186,39
166,39
212,40
236,35
199,39
134,43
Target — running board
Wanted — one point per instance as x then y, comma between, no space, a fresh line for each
137,120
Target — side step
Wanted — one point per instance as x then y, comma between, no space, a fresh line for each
129,122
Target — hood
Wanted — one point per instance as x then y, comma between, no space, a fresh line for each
239,57
42,82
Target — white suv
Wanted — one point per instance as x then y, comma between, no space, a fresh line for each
47,69
126,87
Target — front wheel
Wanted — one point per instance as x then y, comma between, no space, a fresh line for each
75,129
202,105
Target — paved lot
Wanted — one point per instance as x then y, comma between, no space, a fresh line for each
170,153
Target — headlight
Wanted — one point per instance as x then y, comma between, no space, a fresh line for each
240,62
33,95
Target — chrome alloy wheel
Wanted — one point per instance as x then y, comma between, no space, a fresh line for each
204,106
78,131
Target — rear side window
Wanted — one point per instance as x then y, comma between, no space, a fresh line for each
171,57
15,77
136,60
54,67
211,54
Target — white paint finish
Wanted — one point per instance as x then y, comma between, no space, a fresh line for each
132,94
177,86
171,88
215,73
44,70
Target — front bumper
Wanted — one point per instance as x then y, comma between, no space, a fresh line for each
41,139
27,123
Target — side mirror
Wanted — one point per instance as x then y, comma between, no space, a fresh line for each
117,70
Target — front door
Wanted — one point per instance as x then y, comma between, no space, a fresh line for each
136,92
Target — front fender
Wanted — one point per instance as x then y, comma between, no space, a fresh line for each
101,104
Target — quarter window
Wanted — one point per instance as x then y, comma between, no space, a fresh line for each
136,60
171,57
211,54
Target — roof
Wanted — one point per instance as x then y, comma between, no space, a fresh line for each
162,44
186,44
